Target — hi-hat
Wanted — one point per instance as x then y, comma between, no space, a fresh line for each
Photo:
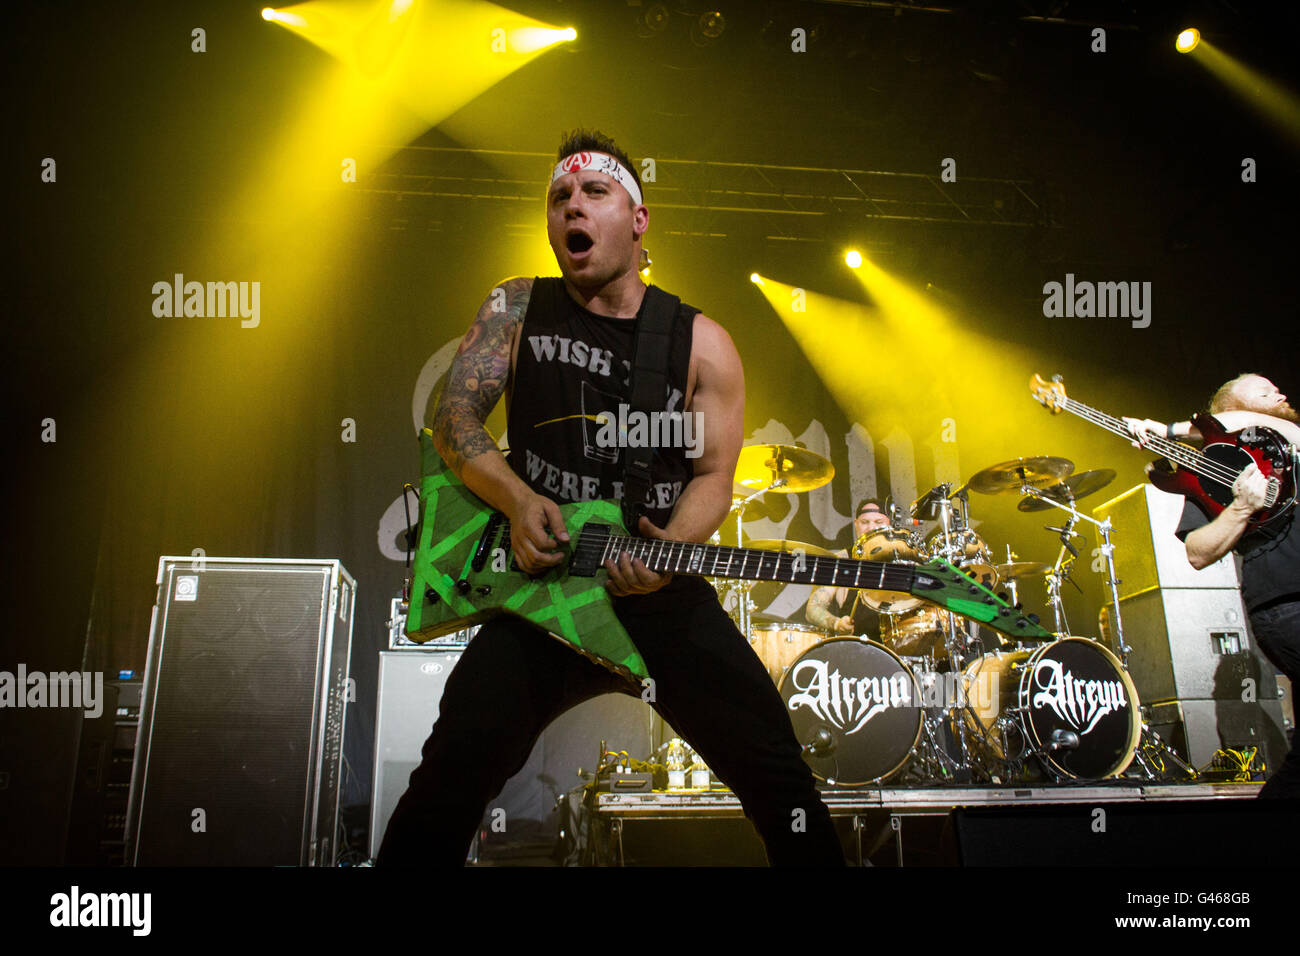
1072,489
1010,476
787,467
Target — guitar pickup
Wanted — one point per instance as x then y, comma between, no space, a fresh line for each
487,542
585,558
1274,488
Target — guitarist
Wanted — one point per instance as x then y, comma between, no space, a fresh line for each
559,350
1270,576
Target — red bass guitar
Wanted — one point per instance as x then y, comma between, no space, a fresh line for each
1205,476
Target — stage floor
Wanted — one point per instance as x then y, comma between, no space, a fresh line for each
876,817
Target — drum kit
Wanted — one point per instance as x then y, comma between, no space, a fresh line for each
934,698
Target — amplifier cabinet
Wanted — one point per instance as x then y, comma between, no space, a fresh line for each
410,689
239,748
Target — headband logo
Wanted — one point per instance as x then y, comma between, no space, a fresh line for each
577,161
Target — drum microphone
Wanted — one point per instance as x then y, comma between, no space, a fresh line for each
1066,535
1062,740
822,743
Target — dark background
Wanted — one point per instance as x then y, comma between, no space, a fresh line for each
176,434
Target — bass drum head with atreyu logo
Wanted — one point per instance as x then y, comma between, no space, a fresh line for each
1076,685
865,698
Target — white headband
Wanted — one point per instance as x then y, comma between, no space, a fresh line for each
601,163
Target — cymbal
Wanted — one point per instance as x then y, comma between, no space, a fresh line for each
1009,476
1021,569
789,546
1079,486
762,465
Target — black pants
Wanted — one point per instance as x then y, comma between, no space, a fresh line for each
513,680
1277,631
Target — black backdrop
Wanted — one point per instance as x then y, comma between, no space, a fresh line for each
175,434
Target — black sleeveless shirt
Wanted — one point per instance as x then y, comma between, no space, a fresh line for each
570,379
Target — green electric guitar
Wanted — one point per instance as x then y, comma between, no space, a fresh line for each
464,573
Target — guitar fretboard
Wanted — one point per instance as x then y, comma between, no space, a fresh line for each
753,564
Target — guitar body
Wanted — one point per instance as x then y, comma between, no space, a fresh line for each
1236,451
448,592
464,574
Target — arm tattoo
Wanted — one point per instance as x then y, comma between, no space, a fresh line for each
819,612
478,375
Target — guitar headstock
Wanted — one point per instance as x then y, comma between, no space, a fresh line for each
1050,394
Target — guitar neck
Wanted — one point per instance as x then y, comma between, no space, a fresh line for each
753,564
1176,452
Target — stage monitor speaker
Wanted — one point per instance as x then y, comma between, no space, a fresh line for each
410,690
1193,643
1147,552
239,749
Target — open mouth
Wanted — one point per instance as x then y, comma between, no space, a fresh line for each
578,243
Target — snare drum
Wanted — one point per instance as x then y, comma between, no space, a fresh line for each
778,645
1070,687
919,633
866,698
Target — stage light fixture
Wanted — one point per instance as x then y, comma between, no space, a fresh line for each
280,16
1187,40
653,21
708,28
853,259
755,278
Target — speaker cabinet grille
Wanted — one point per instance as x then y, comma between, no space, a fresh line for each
239,748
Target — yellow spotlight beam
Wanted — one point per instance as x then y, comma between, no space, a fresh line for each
1274,102
906,359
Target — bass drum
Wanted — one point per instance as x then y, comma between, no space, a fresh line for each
1039,698
779,645
865,698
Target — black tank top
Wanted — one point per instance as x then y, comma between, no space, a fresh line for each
571,372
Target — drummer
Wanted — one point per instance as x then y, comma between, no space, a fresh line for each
832,609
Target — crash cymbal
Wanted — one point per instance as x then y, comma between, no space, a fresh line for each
1009,476
1079,486
763,465
1021,569
789,546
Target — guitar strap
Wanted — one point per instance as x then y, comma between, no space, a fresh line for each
646,389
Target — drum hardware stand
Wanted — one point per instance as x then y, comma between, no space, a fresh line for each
934,763
731,586
1012,587
1107,551
1061,572
1151,739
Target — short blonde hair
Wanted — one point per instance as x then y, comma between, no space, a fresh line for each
1224,399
